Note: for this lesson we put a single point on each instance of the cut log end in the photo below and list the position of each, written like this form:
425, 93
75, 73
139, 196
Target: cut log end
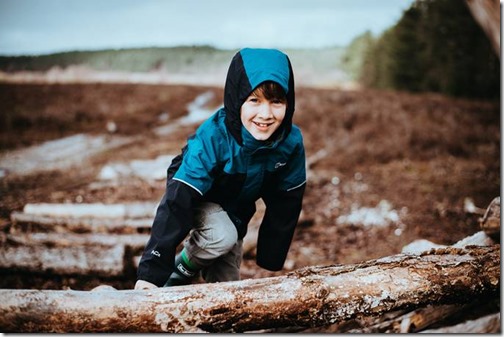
490, 223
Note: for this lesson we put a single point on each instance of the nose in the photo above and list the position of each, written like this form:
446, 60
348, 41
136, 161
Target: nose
265, 110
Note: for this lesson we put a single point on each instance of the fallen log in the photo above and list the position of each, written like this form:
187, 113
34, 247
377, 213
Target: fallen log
94, 210
487, 324
134, 241
98, 260
490, 223
409, 321
250, 240
81, 224
309, 297
421, 318
487, 15
82, 254
414, 321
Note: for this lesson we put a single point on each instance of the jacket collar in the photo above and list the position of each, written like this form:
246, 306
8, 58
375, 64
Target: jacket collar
250, 144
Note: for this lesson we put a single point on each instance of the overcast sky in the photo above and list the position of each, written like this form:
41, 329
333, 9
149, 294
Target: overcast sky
47, 26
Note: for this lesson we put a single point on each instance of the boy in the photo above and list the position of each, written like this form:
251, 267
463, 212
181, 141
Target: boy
247, 150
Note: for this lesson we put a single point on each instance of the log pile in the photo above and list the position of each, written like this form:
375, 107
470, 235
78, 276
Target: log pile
70, 253
77, 239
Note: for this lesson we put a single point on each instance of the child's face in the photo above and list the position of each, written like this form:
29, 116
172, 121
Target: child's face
262, 117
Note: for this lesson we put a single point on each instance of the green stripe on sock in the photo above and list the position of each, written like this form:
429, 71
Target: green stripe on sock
186, 261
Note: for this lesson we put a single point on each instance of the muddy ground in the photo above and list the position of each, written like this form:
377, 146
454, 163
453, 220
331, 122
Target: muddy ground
420, 155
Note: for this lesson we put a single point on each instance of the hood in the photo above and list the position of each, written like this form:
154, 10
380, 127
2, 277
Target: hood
248, 69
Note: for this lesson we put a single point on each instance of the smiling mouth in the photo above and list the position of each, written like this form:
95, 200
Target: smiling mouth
262, 125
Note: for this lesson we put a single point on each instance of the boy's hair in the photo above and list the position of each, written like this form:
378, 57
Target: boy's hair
271, 91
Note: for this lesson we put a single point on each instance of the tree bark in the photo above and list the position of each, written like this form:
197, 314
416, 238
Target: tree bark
487, 15
309, 297
104, 255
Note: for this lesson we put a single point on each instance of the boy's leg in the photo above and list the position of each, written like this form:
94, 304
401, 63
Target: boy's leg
226, 267
214, 235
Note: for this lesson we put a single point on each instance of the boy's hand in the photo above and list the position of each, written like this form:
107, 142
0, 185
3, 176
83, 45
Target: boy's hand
144, 285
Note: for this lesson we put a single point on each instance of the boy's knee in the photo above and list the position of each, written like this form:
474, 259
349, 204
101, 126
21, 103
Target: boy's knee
224, 238
218, 234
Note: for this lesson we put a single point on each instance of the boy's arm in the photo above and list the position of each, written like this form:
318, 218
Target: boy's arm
172, 223
283, 206
277, 227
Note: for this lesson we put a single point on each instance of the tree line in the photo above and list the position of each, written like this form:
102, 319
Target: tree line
436, 46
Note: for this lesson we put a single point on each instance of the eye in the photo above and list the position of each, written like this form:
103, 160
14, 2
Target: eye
253, 99
277, 102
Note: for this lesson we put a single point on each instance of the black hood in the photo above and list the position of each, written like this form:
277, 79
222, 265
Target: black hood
248, 69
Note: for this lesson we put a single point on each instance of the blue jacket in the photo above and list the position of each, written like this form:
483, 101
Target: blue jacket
224, 164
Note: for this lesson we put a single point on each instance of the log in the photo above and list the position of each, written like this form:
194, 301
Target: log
81, 224
99, 260
250, 240
421, 318
309, 297
134, 241
487, 15
487, 324
490, 223
94, 210
66, 254
412, 321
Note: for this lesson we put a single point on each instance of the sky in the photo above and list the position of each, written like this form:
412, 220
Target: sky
36, 27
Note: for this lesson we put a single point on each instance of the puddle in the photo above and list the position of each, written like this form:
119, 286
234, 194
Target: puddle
63, 153
197, 113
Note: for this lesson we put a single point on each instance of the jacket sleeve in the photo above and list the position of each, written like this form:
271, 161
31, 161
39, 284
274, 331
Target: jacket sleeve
188, 179
172, 223
283, 206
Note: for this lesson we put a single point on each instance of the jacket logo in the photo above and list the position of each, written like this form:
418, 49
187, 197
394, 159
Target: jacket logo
279, 164
156, 253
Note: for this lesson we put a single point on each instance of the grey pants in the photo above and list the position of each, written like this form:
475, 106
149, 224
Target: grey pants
213, 244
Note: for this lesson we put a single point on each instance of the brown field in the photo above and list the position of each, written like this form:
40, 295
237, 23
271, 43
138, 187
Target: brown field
424, 154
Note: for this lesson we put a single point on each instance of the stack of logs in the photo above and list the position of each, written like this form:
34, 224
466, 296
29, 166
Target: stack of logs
420, 290
83, 239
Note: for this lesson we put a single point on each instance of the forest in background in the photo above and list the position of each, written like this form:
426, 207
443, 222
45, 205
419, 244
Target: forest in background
436, 46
